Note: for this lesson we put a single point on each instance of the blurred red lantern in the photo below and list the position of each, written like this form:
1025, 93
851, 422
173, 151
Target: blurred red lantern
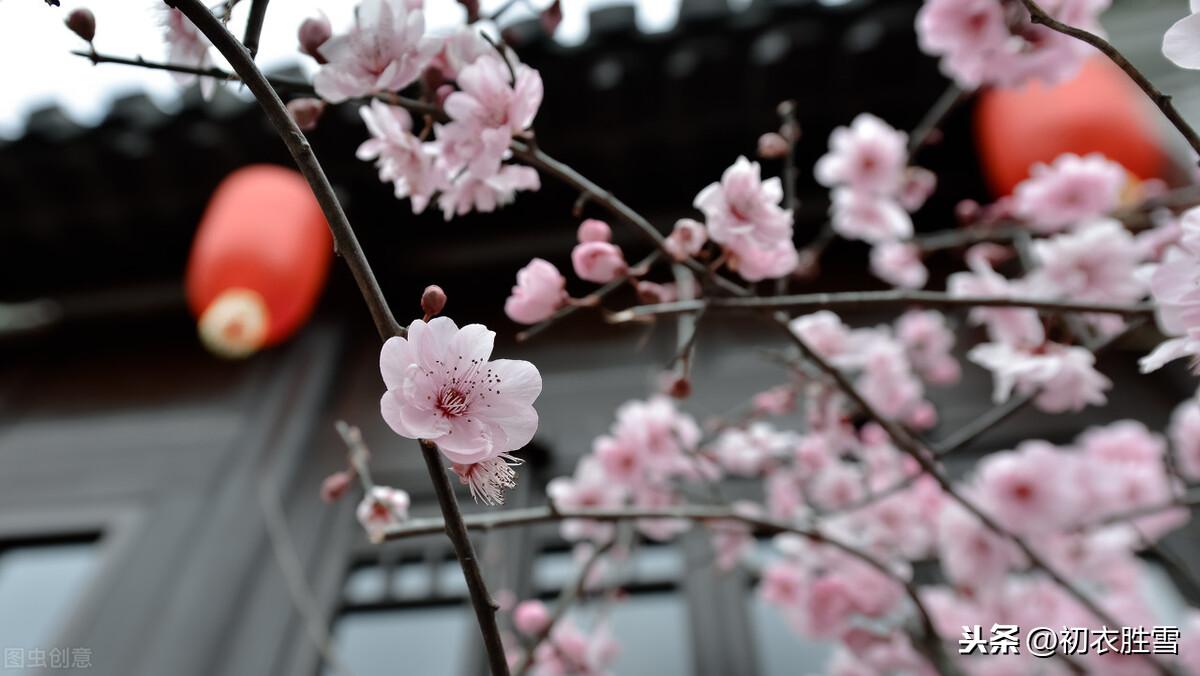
1099, 111
259, 260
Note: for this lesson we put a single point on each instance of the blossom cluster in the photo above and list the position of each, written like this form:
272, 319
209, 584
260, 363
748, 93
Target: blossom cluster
874, 191
994, 42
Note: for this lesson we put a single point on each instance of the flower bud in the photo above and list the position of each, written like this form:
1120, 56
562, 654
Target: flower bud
306, 112
968, 211
433, 299
314, 32
599, 262
82, 22
531, 617
772, 146
335, 486
593, 230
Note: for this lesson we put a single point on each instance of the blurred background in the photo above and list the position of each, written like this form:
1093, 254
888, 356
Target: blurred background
159, 506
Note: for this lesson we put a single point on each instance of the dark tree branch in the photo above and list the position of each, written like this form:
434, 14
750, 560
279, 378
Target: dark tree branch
1163, 101
865, 300
385, 323
254, 25
929, 125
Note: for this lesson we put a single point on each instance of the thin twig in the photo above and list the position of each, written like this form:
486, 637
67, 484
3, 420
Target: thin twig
254, 25
1163, 101
865, 300
929, 125
385, 322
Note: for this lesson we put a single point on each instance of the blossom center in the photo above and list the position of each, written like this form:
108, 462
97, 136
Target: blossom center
452, 403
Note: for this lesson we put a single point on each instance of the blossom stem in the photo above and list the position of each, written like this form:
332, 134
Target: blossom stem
927, 128
865, 300
254, 25
1163, 101
455, 528
385, 322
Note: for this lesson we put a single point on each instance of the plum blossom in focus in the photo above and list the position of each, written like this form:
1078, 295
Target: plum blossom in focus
402, 158
742, 213
385, 51
443, 387
187, 46
539, 293
1069, 190
488, 110
994, 42
382, 508
599, 262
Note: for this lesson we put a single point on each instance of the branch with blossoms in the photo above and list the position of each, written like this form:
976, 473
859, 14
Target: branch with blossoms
855, 498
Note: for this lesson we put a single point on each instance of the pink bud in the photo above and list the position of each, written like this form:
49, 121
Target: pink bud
539, 293
314, 32
968, 211
433, 300
599, 262
82, 22
678, 387
772, 146
531, 617
306, 112
335, 485
686, 240
593, 230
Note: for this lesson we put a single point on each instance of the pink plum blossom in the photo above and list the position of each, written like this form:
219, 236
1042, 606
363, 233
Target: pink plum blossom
1175, 287
869, 156
1181, 43
471, 193
589, 488
570, 651
593, 230
531, 617
929, 342
385, 51
872, 218
443, 387
686, 239
917, 186
402, 158
459, 50
993, 42
755, 264
779, 400
1184, 431
972, 554
488, 110
1011, 326
1062, 378
899, 264
382, 508
1069, 190
599, 262
1024, 490
187, 46
746, 452
1096, 262
539, 293
742, 210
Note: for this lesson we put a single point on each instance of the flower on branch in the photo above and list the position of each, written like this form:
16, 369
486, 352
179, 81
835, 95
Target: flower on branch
186, 46
1069, 190
443, 387
742, 213
385, 51
381, 508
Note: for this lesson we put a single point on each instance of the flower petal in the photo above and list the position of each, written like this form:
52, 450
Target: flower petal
1181, 44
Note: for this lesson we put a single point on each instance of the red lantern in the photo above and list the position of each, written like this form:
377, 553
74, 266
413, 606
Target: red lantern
1099, 111
259, 260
